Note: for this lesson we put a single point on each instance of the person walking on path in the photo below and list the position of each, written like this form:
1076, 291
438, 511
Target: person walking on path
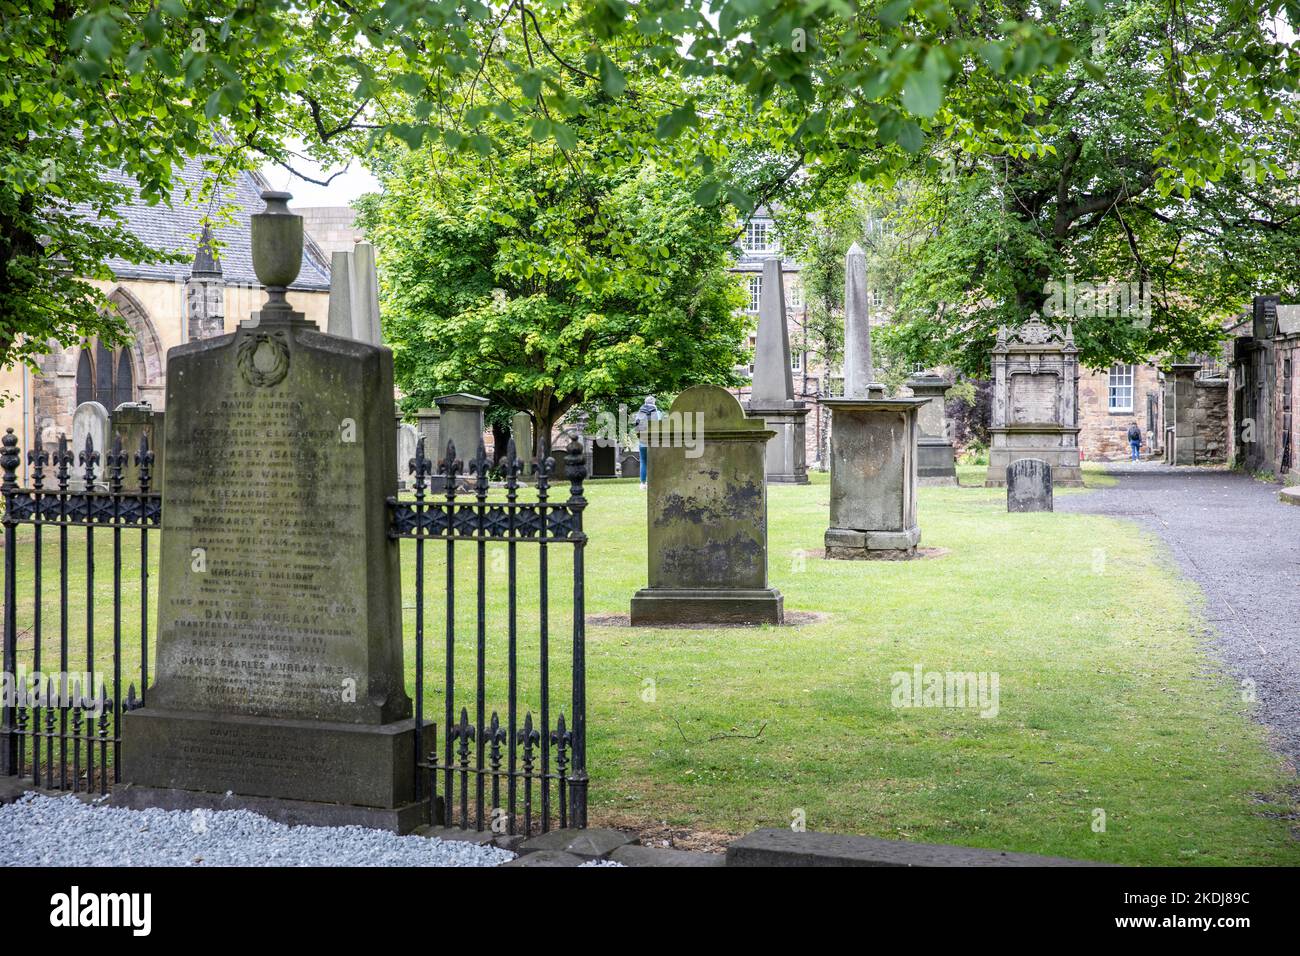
647, 413
1134, 441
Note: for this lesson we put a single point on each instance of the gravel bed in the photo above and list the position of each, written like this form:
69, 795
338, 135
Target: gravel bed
39, 830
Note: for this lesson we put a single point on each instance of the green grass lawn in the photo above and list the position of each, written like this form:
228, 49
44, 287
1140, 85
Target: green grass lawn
1107, 698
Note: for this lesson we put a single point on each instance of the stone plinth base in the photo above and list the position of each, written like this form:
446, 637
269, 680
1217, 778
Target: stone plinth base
657, 606
1055, 444
851, 545
936, 464
359, 765
294, 813
785, 459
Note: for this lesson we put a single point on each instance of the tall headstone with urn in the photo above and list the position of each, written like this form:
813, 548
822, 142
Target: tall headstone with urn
279, 683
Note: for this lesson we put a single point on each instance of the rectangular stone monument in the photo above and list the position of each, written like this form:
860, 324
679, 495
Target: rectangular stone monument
460, 422
1035, 401
772, 395
936, 461
707, 517
279, 673
873, 445
132, 420
604, 458
407, 437
521, 430
1029, 485
629, 463
427, 422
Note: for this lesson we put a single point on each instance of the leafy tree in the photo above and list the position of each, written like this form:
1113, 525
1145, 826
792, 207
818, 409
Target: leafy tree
830, 86
548, 278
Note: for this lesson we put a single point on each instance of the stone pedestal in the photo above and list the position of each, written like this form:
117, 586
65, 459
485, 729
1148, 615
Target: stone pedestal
873, 477
1035, 402
279, 671
707, 505
936, 463
785, 460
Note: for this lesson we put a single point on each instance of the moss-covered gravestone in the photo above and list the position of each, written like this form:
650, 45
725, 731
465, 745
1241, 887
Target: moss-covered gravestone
279, 658
707, 503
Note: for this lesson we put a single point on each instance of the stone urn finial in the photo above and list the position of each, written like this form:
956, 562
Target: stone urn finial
277, 249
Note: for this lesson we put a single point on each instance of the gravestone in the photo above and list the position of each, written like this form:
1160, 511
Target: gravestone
772, 396
279, 673
1035, 401
707, 505
407, 437
873, 445
354, 295
629, 463
1029, 485
521, 430
461, 422
90, 420
604, 458
427, 424
936, 462
132, 420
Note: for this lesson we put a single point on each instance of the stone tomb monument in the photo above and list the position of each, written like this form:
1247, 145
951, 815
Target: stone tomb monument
873, 445
936, 462
772, 396
521, 430
279, 654
460, 422
132, 420
1029, 485
1035, 402
427, 423
90, 420
407, 437
707, 504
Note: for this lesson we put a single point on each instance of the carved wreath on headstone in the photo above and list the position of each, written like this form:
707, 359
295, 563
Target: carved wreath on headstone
263, 358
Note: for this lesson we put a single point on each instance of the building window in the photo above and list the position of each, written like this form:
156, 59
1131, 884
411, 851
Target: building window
877, 298
1121, 388
794, 292
756, 236
755, 292
105, 375
796, 361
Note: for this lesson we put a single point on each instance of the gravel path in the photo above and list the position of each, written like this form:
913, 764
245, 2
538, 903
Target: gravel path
38, 830
1230, 535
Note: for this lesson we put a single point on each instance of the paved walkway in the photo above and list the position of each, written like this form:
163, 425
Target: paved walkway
1231, 535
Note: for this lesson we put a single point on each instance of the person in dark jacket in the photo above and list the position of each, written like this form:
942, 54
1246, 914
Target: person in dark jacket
647, 413
1134, 441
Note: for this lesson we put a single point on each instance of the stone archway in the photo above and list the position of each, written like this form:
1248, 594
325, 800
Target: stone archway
54, 391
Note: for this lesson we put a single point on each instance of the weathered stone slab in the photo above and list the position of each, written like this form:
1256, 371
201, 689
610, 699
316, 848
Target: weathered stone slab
781, 847
1289, 496
132, 421
546, 858
407, 437
90, 420
1029, 485
707, 506
592, 844
936, 462
633, 855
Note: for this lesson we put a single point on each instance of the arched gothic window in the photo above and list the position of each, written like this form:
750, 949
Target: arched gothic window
105, 375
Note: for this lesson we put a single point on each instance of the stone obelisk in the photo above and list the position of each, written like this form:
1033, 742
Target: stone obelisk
873, 445
772, 396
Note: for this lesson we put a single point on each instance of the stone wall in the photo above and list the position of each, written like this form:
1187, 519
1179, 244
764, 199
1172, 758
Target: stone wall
1103, 434
1210, 419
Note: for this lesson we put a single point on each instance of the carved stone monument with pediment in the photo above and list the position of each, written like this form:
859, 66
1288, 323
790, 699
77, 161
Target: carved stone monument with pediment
1035, 402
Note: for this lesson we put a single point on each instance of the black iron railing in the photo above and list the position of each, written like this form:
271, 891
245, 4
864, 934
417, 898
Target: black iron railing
62, 728
541, 758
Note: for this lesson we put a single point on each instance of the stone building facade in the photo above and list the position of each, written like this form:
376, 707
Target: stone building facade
164, 305
1263, 388
1110, 400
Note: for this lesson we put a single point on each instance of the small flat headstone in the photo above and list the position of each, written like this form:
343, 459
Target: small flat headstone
1029, 485
588, 844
